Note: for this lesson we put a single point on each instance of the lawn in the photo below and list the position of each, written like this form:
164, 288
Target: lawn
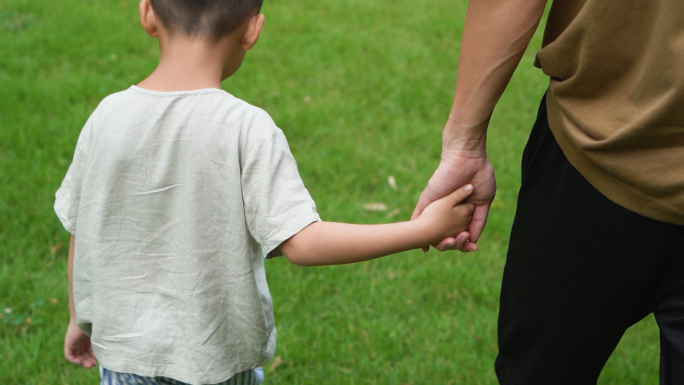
362, 90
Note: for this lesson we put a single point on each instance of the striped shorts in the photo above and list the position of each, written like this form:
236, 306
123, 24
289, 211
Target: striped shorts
248, 377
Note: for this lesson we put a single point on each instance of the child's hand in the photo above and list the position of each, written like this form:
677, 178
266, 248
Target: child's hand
448, 216
77, 347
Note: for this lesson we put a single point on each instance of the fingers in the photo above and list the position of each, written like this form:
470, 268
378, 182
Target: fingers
469, 247
83, 358
89, 362
478, 222
77, 347
74, 358
461, 242
465, 210
466, 247
446, 244
460, 194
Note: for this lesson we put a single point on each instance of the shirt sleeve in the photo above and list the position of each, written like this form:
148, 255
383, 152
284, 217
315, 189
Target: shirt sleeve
277, 205
68, 196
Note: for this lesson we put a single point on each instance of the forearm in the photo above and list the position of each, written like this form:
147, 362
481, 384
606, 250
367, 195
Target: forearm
495, 37
332, 243
70, 274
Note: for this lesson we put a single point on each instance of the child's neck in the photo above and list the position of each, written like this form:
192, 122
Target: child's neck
188, 64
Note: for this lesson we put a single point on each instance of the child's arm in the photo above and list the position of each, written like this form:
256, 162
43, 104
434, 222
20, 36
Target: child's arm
77, 347
331, 243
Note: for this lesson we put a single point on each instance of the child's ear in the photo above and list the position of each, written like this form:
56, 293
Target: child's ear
148, 18
251, 35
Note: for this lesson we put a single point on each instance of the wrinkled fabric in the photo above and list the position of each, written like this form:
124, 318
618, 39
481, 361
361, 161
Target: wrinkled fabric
616, 98
248, 377
174, 199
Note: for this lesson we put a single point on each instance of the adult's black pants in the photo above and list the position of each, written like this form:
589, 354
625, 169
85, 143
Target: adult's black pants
580, 271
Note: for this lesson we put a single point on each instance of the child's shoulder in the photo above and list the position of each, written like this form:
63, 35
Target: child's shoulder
253, 119
215, 110
202, 100
254, 113
122, 100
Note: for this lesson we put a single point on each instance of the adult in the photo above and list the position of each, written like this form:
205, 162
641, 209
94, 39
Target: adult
598, 237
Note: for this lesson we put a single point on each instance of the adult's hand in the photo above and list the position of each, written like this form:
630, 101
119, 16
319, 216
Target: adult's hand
495, 36
456, 169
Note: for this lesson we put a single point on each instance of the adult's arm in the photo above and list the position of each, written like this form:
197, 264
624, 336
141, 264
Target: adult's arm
495, 37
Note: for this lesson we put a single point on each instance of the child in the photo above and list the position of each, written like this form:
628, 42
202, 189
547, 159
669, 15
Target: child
177, 192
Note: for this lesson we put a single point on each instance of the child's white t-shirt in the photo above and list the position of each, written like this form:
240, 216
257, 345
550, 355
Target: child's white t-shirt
175, 198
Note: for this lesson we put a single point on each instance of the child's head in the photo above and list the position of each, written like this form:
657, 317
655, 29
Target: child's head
223, 30
208, 19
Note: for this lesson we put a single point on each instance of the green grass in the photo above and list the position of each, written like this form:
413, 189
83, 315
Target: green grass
362, 90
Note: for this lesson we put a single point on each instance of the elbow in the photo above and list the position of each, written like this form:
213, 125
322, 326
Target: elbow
296, 253
299, 260
301, 248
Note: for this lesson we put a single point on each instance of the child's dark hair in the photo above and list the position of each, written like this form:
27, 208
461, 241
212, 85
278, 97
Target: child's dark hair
211, 19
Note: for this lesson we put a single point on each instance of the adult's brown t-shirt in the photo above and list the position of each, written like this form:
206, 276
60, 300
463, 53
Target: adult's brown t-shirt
616, 98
